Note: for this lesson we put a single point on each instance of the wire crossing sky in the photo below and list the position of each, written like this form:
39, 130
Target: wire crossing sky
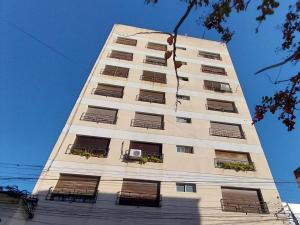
48, 48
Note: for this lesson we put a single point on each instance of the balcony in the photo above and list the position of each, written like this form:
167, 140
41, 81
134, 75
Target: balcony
87, 151
217, 88
151, 99
147, 124
115, 71
237, 165
145, 157
98, 118
234, 205
138, 199
155, 61
121, 55
71, 195
226, 133
154, 77
108, 92
221, 106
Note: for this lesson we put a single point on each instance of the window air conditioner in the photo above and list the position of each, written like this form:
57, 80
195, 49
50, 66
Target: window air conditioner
135, 153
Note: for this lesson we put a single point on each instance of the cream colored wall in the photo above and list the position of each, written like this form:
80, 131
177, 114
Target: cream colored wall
176, 166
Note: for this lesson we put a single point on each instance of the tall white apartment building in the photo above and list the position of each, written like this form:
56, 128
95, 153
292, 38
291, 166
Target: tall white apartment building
126, 156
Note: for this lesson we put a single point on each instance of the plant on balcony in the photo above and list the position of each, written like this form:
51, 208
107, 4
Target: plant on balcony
237, 166
152, 158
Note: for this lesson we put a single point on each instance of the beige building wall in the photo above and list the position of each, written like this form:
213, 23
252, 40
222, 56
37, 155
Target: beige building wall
201, 207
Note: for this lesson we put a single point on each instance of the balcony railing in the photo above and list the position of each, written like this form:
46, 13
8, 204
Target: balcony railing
234, 164
98, 118
155, 62
138, 199
87, 151
217, 88
151, 99
107, 92
226, 133
154, 79
229, 205
71, 195
147, 124
221, 108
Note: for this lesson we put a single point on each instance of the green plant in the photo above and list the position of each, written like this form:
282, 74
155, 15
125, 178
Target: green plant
237, 166
81, 153
152, 158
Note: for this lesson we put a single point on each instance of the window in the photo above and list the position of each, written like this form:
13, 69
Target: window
156, 46
185, 149
181, 48
220, 105
115, 71
217, 86
226, 130
126, 41
155, 61
209, 55
109, 90
140, 193
183, 78
233, 160
149, 121
88, 146
183, 97
150, 152
183, 120
213, 70
154, 77
182, 187
75, 188
100, 115
121, 55
152, 96
243, 200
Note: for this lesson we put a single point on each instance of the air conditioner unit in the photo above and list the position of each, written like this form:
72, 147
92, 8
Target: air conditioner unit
135, 153
224, 87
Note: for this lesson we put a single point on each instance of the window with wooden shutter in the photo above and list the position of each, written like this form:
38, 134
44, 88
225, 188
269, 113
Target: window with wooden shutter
243, 200
154, 77
109, 90
226, 130
121, 55
148, 149
209, 55
115, 71
126, 41
140, 193
156, 46
88, 146
213, 70
220, 105
155, 61
217, 86
149, 121
100, 115
233, 160
151, 96
79, 188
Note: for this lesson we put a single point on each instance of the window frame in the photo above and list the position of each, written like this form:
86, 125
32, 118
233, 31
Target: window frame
185, 147
187, 119
185, 186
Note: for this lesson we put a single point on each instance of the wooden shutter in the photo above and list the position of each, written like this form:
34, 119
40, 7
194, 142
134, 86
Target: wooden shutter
156, 61
98, 114
148, 189
91, 142
146, 120
154, 96
147, 148
76, 184
126, 41
240, 195
156, 46
232, 155
109, 90
149, 117
121, 55
213, 70
210, 55
154, 77
220, 105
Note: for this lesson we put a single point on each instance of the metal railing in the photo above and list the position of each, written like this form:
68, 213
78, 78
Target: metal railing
107, 92
154, 79
226, 133
87, 151
98, 118
147, 124
71, 195
217, 88
219, 163
229, 205
115, 73
138, 199
151, 99
155, 62
221, 108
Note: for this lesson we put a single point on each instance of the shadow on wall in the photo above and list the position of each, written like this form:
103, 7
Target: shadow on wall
105, 210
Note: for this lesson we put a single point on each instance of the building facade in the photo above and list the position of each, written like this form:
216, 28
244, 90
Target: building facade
126, 156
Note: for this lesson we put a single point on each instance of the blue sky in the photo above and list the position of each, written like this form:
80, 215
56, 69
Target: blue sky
40, 81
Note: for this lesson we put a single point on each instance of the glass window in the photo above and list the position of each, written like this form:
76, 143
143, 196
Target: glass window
181, 187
